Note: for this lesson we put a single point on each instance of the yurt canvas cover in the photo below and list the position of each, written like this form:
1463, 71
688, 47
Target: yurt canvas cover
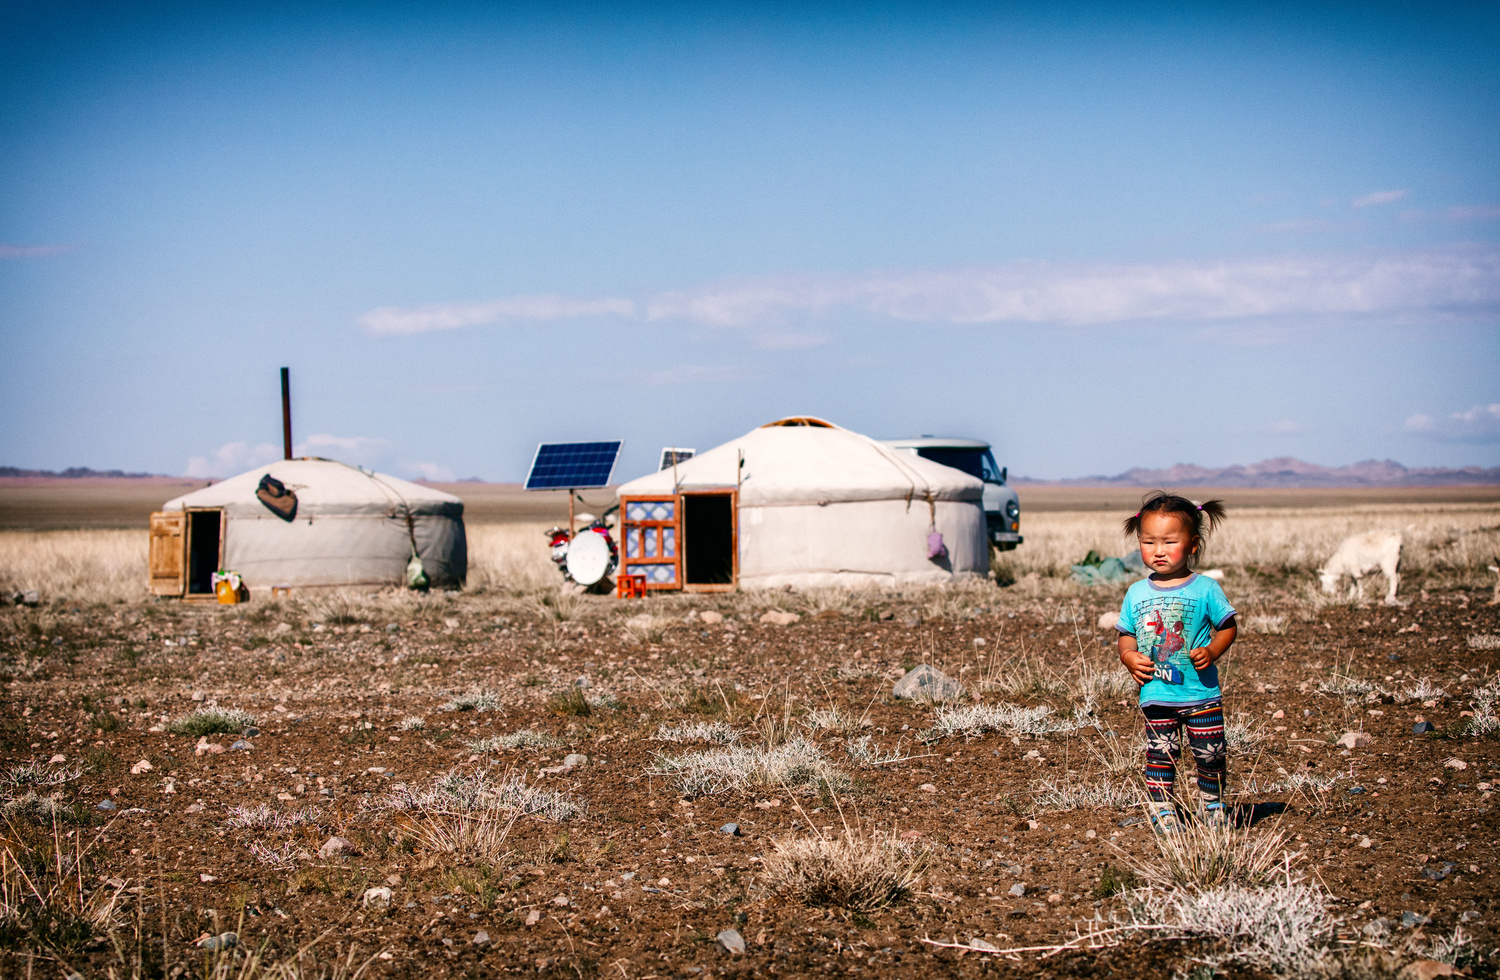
802, 502
349, 527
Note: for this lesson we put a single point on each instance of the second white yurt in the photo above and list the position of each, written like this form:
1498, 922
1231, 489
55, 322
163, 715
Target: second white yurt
307, 523
802, 502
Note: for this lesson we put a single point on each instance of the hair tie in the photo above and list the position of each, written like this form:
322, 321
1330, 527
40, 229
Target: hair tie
1200, 506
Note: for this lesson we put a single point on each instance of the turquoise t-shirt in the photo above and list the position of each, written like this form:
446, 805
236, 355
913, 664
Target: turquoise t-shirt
1166, 624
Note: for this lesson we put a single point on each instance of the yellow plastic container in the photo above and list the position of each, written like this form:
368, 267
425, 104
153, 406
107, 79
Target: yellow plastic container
227, 593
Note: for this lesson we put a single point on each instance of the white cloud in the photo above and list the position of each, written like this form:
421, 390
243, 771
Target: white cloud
332, 446
392, 320
431, 472
1479, 424
1377, 198
1453, 280
1099, 293
231, 458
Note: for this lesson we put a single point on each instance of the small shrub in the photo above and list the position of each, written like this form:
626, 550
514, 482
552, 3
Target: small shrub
473, 701
523, 739
795, 763
864, 752
857, 871
1422, 690
974, 720
262, 816
1054, 794
1116, 880
412, 723
1205, 854
1486, 703
717, 732
570, 703
211, 721
1284, 926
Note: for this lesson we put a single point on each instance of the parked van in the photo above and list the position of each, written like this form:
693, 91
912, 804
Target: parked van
1002, 508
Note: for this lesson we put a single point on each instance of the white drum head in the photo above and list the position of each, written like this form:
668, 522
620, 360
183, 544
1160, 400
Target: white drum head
588, 557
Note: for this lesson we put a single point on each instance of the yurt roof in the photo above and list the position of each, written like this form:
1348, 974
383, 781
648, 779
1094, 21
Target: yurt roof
802, 459
323, 487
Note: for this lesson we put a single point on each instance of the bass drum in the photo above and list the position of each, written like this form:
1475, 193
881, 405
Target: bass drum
589, 558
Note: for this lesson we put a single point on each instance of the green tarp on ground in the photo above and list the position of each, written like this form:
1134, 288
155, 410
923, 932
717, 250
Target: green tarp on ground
1095, 570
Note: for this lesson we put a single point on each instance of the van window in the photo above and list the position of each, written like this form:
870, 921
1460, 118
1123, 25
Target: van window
978, 463
967, 460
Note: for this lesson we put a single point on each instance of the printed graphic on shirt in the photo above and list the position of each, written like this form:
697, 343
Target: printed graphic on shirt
1162, 632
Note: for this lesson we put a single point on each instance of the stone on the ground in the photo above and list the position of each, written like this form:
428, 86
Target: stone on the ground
732, 829
574, 759
711, 618
911, 622
481, 938
1411, 920
140, 767
281, 629
927, 788
584, 683
925, 682
224, 940
778, 617
240, 745
332, 847
379, 896
732, 941
1017, 890
1107, 620
389, 628
1354, 740
106, 805
251, 732
1423, 727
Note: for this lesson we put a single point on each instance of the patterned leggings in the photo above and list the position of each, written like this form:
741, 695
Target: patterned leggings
1205, 731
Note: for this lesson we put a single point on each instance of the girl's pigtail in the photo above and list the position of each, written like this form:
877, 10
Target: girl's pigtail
1133, 524
1214, 511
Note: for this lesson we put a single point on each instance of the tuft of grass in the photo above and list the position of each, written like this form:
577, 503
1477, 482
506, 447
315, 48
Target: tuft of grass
262, 816
526, 738
476, 792
646, 628
1115, 880
1422, 690
1284, 926
716, 732
571, 702
859, 870
863, 751
1486, 703
50, 896
1055, 794
1205, 854
473, 701
39, 775
211, 721
795, 763
412, 723
832, 719
974, 720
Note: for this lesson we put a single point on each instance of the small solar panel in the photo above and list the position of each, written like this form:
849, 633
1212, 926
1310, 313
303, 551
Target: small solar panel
672, 455
572, 465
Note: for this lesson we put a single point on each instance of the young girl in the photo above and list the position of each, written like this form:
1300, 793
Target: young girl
1173, 626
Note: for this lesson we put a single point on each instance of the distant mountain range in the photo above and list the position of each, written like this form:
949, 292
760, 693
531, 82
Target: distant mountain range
1285, 471
78, 472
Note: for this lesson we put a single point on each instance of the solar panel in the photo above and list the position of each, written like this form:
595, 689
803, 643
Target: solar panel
572, 465
672, 455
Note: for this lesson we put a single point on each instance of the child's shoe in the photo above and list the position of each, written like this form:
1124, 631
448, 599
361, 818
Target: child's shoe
1216, 815
1164, 821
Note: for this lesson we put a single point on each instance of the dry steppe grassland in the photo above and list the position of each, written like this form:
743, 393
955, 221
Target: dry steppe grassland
521, 779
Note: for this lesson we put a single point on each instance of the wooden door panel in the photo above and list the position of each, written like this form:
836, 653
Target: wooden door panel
168, 562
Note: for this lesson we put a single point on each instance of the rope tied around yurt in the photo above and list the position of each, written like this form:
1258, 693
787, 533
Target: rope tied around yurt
416, 574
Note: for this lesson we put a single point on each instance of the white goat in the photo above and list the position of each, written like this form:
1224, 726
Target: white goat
1361, 554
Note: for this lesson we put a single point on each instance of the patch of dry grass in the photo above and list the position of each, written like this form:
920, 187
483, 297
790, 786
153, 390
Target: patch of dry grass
860, 870
95, 566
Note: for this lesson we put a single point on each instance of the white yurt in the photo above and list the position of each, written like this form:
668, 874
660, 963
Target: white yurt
802, 502
307, 523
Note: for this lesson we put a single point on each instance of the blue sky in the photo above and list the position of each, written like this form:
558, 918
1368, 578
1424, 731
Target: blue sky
1099, 239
